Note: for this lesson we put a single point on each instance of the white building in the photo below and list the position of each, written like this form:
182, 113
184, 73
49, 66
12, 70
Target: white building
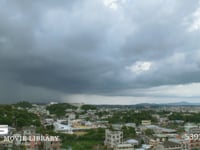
113, 138
132, 142
48, 121
53, 103
133, 125
146, 122
146, 146
72, 116
117, 126
124, 147
188, 126
59, 127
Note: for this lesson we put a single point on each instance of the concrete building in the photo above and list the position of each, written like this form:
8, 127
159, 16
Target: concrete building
28, 131
113, 138
71, 116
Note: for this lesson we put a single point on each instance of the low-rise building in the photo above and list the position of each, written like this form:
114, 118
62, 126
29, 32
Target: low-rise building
147, 146
132, 142
117, 126
59, 127
146, 122
188, 126
28, 131
133, 125
167, 145
123, 147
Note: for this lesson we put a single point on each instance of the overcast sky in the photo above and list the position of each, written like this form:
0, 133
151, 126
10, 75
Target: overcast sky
100, 51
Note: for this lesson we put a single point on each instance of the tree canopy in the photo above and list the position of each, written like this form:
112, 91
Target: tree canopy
59, 109
23, 104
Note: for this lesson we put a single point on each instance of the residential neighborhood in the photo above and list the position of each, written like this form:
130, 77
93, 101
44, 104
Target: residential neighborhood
104, 127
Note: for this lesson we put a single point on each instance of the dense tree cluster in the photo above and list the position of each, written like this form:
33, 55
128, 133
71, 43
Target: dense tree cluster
60, 109
128, 132
23, 104
11, 116
149, 132
131, 116
93, 140
192, 117
88, 107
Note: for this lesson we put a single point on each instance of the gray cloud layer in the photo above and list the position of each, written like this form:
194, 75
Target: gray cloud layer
49, 48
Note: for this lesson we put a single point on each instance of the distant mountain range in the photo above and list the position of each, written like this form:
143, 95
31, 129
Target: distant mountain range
182, 103
143, 105
151, 105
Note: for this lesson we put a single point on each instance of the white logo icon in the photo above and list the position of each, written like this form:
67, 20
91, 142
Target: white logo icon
3, 129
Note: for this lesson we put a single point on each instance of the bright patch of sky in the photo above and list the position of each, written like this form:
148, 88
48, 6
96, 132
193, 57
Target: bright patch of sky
195, 25
181, 91
111, 4
139, 67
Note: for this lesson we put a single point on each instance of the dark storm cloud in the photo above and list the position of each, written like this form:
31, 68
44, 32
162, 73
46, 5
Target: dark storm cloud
85, 47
